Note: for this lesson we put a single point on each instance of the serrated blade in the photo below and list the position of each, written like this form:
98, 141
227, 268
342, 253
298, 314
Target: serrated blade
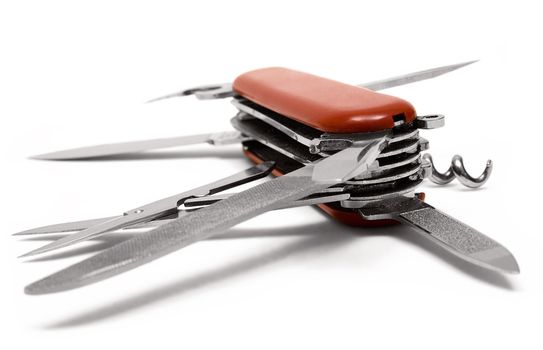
213, 219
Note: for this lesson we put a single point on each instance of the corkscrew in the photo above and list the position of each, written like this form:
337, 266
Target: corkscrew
456, 170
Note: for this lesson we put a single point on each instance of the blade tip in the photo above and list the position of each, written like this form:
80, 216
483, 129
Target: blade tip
42, 287
511, 266
28, 290
164, 97
504, 262
39, 157
36, 252
22, 233
467, 63
48, 156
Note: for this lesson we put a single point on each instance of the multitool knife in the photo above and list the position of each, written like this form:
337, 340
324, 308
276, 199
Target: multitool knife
353, 152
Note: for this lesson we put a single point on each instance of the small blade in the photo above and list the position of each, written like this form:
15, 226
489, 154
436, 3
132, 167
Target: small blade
158, 208
168, 96
454, 236
190, 204
413, 77
64, 227
204, 92
209, 221
112, 149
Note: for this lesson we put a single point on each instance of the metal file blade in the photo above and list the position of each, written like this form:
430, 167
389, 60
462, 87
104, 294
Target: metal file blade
446, 231
214, 219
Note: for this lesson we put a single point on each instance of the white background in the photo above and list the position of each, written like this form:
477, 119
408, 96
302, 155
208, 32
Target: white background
74, 74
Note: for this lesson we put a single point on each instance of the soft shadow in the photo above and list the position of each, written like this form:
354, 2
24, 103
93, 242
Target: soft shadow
402, 232
162, 155
313, 237
328, 234
455, 186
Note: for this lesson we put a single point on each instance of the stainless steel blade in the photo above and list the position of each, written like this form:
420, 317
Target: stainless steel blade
413, 77
64, 227
112, 149
449, 233
212, 220
214, 91
81, 225
190, 204
204, 92
218, 91
158, 208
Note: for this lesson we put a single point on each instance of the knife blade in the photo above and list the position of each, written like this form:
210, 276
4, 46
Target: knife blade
413, 77
112, 149
215, 218
219, 91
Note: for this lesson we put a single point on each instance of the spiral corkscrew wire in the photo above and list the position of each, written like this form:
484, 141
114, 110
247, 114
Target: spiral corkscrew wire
458, 171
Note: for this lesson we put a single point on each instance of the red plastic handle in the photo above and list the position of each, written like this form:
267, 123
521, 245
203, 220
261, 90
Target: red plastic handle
323, 104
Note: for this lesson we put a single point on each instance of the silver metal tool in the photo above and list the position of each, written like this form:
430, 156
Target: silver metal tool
158, 208
449, 233
332, 194
457, 171
215, 218
371, 175
213, 92
106, 150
